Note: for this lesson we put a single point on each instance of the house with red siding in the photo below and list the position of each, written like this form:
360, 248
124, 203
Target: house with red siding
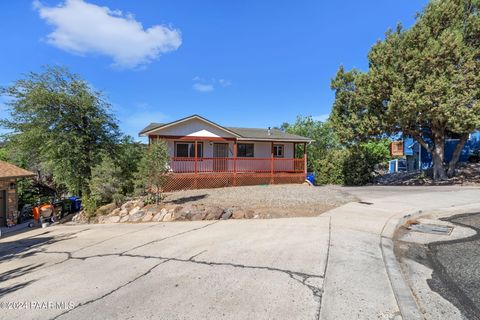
204, 154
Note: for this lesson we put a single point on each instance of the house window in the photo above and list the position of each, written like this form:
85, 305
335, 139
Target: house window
278, 150
245, 150
187, 149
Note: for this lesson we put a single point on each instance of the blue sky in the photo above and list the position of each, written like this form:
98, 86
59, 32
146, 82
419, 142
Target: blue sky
239, 63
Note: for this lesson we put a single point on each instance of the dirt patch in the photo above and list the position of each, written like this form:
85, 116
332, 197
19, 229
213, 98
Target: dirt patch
270, 201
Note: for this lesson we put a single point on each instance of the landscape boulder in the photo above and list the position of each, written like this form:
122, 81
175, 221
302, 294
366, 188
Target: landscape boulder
168, 217
106, 209
213, 213
159, 216
238, 214
148, 217
128, 205
115, 212
134, 210
136, 217
227, 214
113, 219
123, 212
198, 216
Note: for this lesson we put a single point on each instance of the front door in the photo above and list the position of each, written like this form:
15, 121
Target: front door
220, 153
3, 208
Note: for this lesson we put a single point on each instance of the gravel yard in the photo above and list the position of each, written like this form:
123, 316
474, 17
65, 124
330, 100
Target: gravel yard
270, 201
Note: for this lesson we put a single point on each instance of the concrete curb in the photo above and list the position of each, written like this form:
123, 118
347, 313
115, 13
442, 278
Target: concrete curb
403, 294
406, 303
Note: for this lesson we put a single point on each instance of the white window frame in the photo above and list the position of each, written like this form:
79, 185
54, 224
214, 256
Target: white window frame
276, 149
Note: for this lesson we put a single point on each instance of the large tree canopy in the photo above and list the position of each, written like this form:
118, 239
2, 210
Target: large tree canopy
423, 82
57, 120
321, 132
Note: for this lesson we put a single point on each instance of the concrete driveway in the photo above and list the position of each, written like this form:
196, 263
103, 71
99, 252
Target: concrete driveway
249, 269
335, 266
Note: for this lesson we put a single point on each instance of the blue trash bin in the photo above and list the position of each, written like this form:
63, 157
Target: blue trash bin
311, 177
76, 203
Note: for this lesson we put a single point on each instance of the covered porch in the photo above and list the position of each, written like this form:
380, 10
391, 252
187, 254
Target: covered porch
204, 154
201, 155
225, 167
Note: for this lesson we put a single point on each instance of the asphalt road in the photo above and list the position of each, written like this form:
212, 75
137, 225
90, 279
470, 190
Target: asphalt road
456, 268
244, 269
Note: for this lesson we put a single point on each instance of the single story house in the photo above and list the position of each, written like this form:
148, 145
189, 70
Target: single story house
8, 192
204, 154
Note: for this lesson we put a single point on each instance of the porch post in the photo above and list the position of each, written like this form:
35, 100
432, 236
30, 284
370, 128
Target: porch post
272, 165
196, 176
196, 148
305, 158
295, 157
235, 163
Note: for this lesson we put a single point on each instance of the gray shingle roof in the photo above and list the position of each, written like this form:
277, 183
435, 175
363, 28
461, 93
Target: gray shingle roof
244, 133
151, 126
262, 134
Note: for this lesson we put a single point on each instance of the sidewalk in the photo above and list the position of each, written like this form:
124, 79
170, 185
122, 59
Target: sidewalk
363, 279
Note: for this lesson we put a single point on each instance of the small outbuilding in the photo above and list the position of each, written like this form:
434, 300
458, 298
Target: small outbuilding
8, 192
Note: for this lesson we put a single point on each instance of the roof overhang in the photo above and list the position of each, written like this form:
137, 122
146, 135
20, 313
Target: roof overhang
167, 125
276, 140
18, 176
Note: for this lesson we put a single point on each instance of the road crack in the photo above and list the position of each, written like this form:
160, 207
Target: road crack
111, 291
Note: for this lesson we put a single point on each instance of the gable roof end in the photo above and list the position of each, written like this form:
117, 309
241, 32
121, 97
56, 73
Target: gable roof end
155, 126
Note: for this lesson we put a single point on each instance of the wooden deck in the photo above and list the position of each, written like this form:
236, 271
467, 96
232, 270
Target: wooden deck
202, 173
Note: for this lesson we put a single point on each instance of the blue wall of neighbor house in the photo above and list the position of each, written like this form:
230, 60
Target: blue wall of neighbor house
422, 159
471, 145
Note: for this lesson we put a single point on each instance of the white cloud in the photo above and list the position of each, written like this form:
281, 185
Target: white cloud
83, 28
225, 83
322, 117
203, 87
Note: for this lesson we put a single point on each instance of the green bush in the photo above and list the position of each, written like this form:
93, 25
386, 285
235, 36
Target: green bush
351, 166
89, 206
153, 169
358, 167
329, 170
105, 182
118, 199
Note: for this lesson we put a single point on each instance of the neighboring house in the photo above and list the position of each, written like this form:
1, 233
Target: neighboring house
207, 155
8, 192
412, 156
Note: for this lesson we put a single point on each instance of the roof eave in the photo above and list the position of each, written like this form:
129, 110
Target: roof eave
146, 133
18, 176
276, 139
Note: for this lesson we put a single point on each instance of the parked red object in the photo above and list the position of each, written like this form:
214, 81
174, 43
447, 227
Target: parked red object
43, 212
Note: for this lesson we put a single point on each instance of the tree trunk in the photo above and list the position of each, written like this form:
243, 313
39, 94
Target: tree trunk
456, 155
438, 154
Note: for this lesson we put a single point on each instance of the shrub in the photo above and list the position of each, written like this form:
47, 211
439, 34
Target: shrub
358, 167
351, 166
89, 206
105, 182
153, 169
329, 170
